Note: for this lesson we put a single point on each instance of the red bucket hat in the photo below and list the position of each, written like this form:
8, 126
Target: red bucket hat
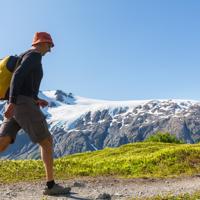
40, 37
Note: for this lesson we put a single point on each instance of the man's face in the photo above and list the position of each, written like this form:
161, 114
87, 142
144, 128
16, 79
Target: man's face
45, 47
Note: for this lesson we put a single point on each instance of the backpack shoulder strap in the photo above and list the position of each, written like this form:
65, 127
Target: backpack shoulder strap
19, 59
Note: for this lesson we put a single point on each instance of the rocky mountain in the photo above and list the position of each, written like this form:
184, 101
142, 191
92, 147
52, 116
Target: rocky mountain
79, 124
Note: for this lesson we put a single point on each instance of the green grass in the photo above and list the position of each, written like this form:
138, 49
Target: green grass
163, 137
144, 159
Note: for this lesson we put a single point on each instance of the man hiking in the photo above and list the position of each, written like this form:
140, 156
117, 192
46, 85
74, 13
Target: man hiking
22, 110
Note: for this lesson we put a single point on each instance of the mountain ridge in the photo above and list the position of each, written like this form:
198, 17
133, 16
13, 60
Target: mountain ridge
79, 124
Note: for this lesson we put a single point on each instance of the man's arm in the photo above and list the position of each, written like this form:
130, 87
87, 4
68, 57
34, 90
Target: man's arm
42, 102
17, 81
9, 111
19, 75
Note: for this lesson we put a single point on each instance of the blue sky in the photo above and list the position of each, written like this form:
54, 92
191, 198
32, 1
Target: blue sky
111, 49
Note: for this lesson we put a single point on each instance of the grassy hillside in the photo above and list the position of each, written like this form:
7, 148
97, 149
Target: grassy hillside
144, 159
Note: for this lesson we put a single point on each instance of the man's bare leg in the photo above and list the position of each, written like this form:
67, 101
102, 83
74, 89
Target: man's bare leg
4, 142
47, 157
46, 146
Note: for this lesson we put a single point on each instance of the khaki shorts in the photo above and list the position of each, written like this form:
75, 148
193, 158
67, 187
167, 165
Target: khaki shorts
27, 116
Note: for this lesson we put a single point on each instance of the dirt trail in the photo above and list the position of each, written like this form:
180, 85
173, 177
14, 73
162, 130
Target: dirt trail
91, 188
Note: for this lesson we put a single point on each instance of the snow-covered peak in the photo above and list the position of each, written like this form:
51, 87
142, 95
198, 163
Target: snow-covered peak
65, 107
57, 97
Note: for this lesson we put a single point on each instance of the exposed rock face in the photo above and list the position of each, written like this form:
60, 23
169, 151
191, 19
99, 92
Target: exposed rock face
64, 97
112, 127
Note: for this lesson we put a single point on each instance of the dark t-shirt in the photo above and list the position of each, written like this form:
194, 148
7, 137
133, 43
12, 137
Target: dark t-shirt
27, 78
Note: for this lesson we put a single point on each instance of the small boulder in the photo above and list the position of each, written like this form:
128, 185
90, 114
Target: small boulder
104, 196
78, 184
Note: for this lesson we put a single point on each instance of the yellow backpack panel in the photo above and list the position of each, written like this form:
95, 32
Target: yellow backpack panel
5, 76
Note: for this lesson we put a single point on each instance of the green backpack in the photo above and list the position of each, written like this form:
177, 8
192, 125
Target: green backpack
7, 67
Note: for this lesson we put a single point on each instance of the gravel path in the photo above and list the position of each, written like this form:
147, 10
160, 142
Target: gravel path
91, 188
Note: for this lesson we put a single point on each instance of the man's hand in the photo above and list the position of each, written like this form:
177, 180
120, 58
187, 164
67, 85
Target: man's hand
9, 112
43, 103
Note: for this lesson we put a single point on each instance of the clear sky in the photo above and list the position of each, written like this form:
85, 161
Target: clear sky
111, 49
